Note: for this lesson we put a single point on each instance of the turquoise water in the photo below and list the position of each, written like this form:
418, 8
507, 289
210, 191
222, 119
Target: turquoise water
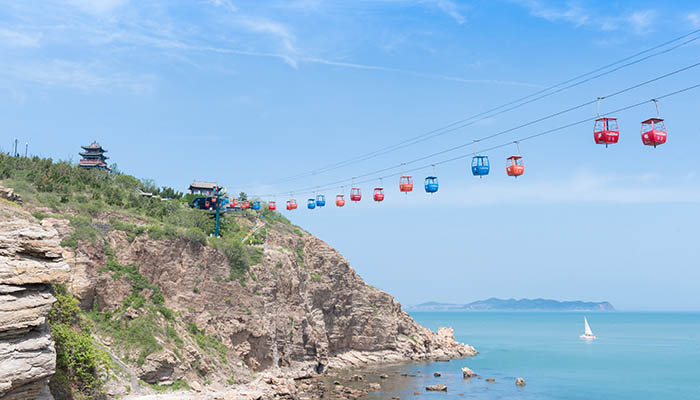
636, 356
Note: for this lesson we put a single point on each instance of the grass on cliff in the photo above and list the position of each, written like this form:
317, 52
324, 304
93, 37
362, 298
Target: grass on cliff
80, 364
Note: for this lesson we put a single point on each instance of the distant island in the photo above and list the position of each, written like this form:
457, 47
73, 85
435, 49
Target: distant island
494, 304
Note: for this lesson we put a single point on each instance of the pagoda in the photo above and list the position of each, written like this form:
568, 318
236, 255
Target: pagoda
94, 157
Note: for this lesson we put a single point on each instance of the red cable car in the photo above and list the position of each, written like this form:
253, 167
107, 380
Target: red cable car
292, 204
272, 205
378, 194
355, 194
653, 132
234, 203
245, 204
340, 200
514, 166
606, 131
406, 184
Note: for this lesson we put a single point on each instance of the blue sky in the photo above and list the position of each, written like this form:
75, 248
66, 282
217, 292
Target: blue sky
248, 92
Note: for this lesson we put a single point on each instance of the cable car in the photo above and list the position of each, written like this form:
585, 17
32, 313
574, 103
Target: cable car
653, 132
355, 194
606, 131
292, 204
340, 200
431, 184
480, 166
406, 184
320, 200
272, 205
514, 166
378, 194
311, 204
245, 204
256, 205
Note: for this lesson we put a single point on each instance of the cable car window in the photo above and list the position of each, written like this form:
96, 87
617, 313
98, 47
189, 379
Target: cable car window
659, 126
646, 127
598, 126
612, 125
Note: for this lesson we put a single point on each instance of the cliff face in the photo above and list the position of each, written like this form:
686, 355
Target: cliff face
30, 259
300, 311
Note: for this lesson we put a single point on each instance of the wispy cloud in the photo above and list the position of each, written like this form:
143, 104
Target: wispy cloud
450, 8
18, 39
100, 7
636, 21
694, 19
75, 75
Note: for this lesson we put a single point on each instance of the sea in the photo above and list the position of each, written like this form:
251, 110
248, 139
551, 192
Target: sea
637, 355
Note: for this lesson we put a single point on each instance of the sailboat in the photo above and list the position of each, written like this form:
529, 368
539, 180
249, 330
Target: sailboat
588, 333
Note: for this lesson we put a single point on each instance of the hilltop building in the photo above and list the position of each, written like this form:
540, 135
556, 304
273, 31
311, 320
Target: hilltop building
94, 157
203, 188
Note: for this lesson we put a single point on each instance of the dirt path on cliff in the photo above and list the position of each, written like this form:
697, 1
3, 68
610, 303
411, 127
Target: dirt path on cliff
133, 380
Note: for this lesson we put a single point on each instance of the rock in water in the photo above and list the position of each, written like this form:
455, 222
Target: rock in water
468, 373
375, 386
436, 374
436, 388
520, 382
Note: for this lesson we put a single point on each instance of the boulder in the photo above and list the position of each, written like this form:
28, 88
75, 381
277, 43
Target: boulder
520, 382
436, 374
375, 387
436, 388
468, 373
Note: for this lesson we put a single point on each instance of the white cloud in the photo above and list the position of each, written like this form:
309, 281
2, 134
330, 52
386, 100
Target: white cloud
75, 75
99, 7
450, 8
18, 39
639, 22
694, 19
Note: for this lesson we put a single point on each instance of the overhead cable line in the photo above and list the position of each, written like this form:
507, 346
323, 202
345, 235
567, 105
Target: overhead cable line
510, 106
510, 143
500, 133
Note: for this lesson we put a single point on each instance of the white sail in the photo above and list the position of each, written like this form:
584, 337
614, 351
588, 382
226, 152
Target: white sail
588, 330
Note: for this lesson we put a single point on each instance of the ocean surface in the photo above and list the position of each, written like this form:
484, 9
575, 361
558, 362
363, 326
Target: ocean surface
635, 356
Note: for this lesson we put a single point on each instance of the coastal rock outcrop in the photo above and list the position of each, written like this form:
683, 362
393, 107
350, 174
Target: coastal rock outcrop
468, 373
30, 260
520, 382
436, 388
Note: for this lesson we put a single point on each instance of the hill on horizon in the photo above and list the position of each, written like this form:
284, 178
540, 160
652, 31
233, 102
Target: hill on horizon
495, 304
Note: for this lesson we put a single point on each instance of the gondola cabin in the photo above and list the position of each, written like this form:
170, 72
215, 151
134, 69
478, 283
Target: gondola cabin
480, 166
431, 184
292, 204
406, 184
653, 132
256, 205
320, 200
355, 194
606, 131
245, 204
514, 166
234, 203
340, 200
311, 204
272, 205
378, 194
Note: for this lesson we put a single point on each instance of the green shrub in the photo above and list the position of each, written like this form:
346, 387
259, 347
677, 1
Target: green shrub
83, 230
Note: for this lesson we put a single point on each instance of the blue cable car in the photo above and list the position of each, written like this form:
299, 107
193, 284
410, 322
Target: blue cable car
256, 205
480, 166
320, 200
431, 184
311, 204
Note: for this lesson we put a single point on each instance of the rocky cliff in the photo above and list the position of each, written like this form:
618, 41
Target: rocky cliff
176, 313
30, 259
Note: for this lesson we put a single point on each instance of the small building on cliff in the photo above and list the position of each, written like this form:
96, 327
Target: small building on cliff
203, 188
94, 157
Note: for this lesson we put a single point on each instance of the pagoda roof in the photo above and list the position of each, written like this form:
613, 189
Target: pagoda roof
203, 185
94, 146
93, 154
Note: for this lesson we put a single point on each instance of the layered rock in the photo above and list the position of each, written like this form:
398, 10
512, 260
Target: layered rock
30, 260
300, 311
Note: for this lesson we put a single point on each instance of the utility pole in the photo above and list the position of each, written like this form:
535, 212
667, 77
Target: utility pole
26, 148
217, 203
14, 153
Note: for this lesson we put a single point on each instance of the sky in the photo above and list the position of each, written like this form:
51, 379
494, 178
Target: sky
251, 93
